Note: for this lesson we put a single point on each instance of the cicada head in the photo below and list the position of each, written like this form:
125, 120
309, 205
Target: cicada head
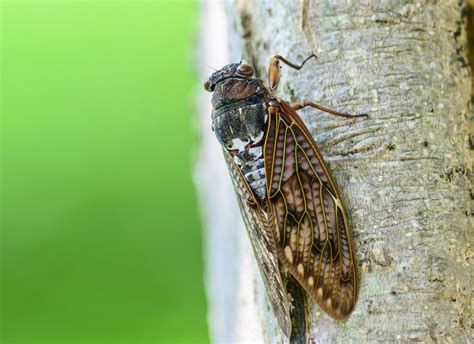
233, 70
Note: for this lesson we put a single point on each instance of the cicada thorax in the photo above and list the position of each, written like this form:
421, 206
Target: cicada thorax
239, 120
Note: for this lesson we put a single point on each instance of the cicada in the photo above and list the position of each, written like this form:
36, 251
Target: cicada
294, 214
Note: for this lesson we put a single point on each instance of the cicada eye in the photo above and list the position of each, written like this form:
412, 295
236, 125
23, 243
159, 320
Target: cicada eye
207, 85
245, 69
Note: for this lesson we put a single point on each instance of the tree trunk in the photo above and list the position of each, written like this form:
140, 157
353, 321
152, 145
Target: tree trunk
403, 172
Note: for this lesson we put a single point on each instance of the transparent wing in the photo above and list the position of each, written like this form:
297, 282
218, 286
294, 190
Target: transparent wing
263, 244
310, 222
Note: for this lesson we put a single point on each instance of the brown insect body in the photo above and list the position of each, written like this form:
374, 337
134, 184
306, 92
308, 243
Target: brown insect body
292, 209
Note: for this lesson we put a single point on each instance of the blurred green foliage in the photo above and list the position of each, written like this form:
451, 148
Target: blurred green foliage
101, 239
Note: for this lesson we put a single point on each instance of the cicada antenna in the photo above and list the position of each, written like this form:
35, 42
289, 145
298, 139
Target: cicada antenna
215, 70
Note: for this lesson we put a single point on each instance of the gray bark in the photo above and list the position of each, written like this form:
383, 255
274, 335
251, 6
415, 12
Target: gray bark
403, 173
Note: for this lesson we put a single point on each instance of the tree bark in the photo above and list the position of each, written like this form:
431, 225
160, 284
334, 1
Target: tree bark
403, 172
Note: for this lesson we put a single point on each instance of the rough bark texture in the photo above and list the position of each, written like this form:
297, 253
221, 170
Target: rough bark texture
403, 173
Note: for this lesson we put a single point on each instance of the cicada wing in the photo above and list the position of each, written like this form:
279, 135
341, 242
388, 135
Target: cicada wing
310, 221
263, 244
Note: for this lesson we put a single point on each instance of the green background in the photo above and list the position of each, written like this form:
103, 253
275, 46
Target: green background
100, 234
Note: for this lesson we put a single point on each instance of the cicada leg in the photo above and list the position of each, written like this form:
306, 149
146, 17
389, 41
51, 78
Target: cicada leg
304, 103
274, 69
